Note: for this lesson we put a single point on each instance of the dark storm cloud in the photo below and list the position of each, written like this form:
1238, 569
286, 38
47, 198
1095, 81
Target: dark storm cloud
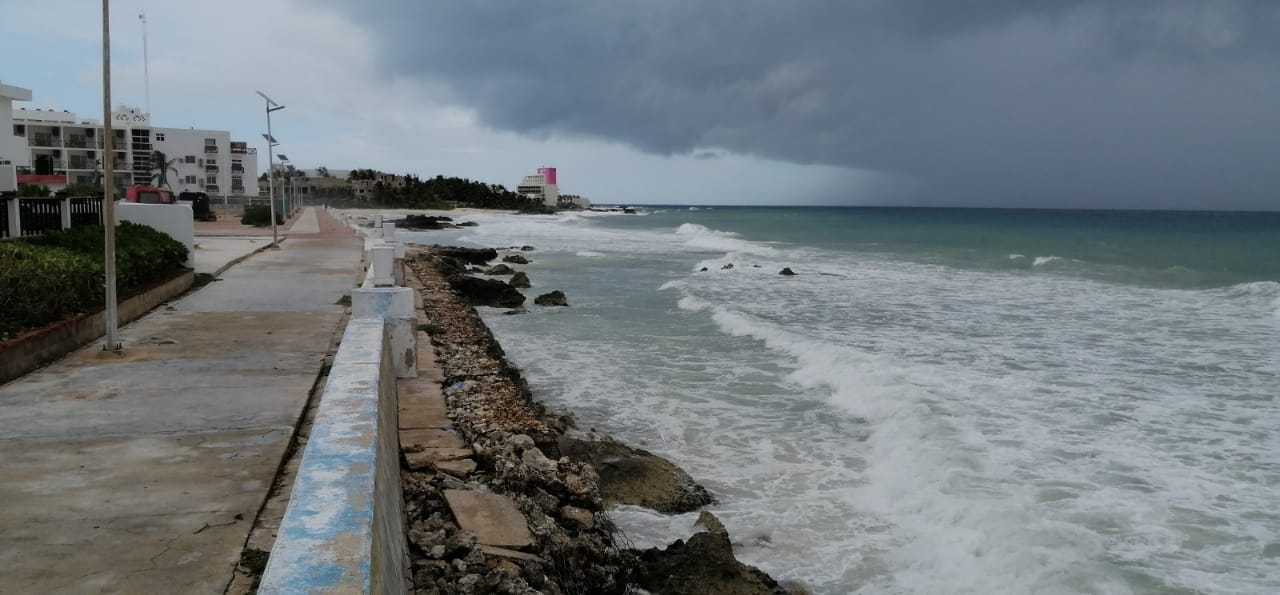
1037, 103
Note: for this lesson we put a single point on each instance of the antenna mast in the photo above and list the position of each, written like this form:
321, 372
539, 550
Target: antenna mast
146, 66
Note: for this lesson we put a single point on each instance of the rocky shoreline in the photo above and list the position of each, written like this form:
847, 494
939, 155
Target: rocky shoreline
560, 480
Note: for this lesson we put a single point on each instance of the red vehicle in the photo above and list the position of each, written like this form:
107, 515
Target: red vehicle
150, 195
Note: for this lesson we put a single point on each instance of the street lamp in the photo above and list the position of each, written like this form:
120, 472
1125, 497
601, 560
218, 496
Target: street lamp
272, 106
286, 183
111, 315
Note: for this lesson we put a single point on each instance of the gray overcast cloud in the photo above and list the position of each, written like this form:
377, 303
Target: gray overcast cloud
1092, 103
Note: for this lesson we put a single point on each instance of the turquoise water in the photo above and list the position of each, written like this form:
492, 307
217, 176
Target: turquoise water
941, 401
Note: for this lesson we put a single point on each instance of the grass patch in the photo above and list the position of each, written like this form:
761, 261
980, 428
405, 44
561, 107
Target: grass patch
202, 279
344, 301
430, 329
253, 562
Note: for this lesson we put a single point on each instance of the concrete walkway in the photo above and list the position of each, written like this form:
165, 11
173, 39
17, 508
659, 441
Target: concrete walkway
143, 473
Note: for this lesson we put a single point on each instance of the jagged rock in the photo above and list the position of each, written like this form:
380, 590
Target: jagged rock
424, 222
702, 566
516, 310
787, 271
726, 267
521, 442
467, 255
629, 211
633, 476
580, 516
702, 270
555, 298
487, 292
527, 248
520, 279
515, 259
468, 224
501, 269
538, 461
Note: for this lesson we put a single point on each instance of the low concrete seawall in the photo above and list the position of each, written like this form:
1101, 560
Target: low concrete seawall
343, 530
28, 352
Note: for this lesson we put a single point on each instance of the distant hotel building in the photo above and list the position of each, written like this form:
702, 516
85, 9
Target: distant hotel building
13, 150
61, 149
541, 187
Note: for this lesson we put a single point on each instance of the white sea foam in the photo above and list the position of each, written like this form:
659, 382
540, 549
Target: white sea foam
1043, 260
700, 237
591, 254
1016, 257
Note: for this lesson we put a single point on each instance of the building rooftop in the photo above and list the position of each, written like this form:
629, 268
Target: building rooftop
14, 93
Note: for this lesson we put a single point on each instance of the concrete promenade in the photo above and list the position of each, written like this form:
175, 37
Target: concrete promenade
143, 473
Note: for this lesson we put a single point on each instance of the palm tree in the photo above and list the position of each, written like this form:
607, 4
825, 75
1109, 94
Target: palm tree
160, 166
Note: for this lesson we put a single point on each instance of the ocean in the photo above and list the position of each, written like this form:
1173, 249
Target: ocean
940, 400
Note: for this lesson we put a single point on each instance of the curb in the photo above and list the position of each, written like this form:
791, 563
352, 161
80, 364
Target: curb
240, 259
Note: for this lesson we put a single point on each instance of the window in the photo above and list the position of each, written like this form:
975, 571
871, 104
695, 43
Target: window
211, 162
211, 179
160, 137
189, 159
189, 180
19, 130
210, 142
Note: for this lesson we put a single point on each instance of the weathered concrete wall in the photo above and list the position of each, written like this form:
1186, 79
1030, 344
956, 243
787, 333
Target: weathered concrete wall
343, 530
174, 220
28, 352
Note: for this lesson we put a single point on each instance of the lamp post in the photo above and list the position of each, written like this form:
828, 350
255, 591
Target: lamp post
287, 183
272, 106
111, 315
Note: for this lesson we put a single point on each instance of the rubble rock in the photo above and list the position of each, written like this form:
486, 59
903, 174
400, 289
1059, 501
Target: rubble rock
555, 298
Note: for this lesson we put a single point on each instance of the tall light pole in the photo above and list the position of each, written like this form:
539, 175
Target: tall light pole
287, 181
146, 66
272, 106
108, 188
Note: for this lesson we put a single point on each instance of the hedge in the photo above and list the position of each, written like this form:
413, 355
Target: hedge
49, 278
259, 216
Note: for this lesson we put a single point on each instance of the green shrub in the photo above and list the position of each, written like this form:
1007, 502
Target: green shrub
259, 216
40, 285
51, 277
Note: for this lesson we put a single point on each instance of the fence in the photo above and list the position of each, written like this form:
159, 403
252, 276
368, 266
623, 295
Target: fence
22, 216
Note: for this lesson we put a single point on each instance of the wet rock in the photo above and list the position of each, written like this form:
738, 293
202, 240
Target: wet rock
487, 292
468, 224
516, 310
527, 248
501, 269
520, 279
629, 211
726, 267
633, 476
702, 566
555, 298
787, 271
419, 222
467, 255
515, 259
702, 270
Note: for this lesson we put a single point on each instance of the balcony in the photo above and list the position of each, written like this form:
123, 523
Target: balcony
211, 188
82, 163
213, 169
80, 142
239, 148
211, 148
237, 189
237, 169
45, 140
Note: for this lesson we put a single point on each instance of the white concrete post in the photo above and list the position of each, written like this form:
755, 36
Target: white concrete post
15, 223
389, 231
377, 220
382, 268
66, 213
394, 305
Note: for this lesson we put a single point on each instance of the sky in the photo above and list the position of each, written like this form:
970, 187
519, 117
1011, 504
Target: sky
985, 103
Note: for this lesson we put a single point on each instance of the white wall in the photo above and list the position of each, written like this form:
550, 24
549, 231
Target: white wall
174, 220
12, 148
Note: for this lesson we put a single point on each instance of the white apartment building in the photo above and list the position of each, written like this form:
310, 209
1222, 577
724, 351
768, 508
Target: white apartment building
13, 149
64, 149
537, 187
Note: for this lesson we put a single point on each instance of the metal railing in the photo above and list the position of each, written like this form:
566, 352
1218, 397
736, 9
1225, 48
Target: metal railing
23, 216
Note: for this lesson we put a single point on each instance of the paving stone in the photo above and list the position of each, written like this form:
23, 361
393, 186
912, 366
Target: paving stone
460, 468
430, 438
420, 418
427, 458
492, 518
502, 552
